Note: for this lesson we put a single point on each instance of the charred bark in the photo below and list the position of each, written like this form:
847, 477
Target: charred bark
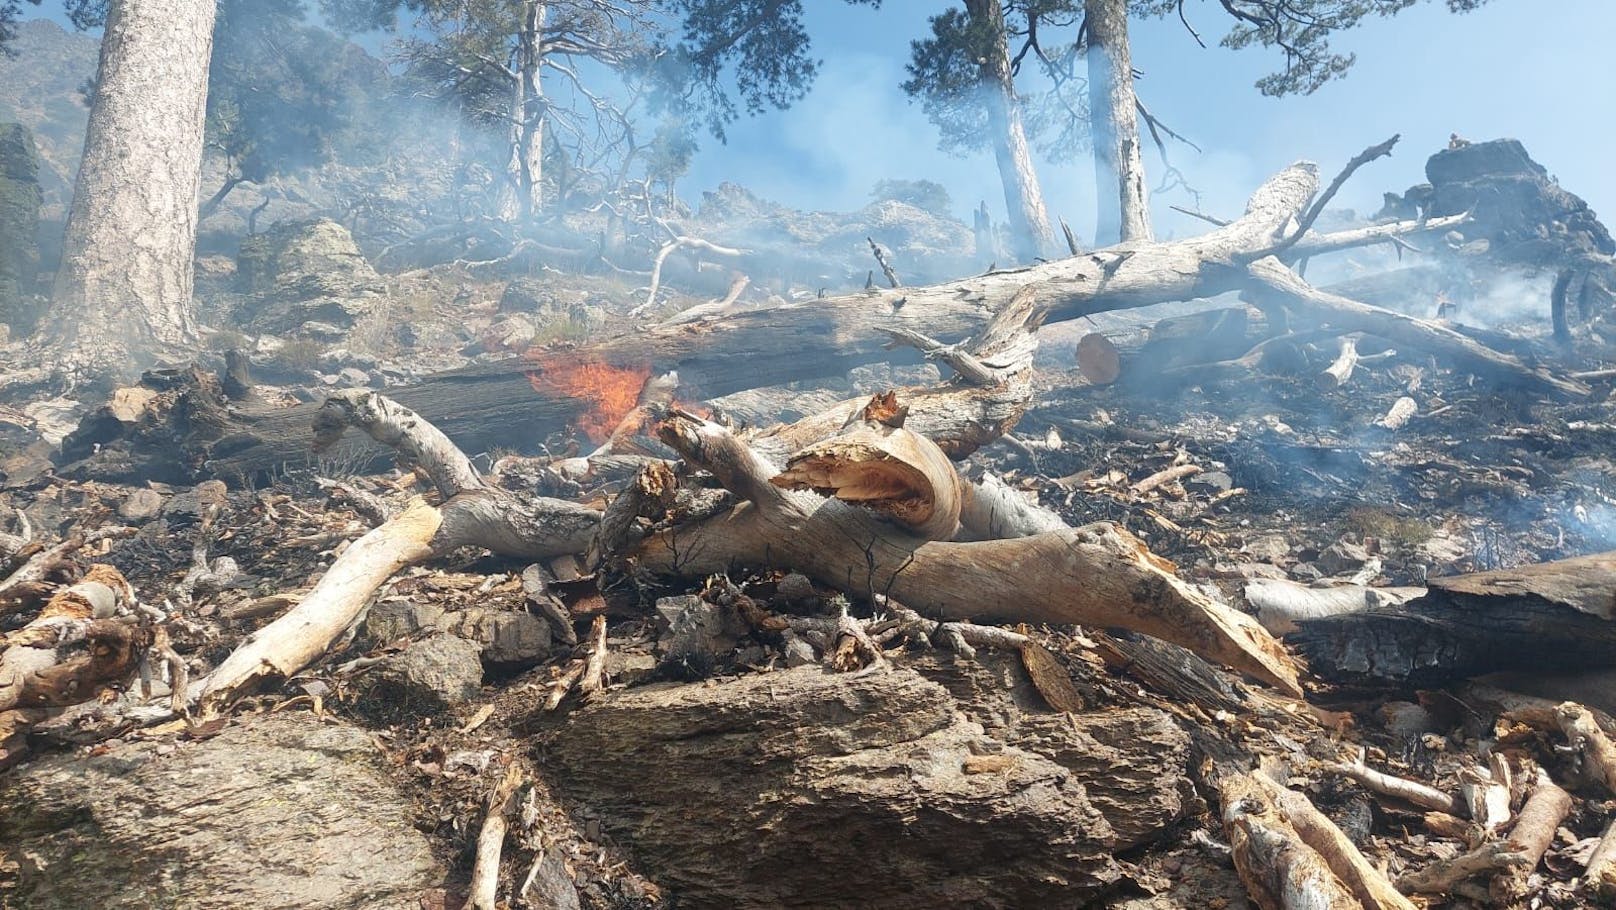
1556, 614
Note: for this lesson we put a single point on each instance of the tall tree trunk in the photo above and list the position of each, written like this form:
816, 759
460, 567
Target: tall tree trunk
1023, 197
1119, 171
123, 291
521, 194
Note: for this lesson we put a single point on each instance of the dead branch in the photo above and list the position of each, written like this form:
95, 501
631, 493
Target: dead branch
1339, 372
1409, 791
881, 260
1352, 316
1165, 476
1278, 868
1368, 884
680, 242
1600, 875
1401, 411
1510, 860
1096, 575
1305, 223
491, 841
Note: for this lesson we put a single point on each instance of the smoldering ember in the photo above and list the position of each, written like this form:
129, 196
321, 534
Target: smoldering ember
431, 478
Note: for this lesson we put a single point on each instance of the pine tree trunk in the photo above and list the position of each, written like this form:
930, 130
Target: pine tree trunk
1119, 171
530, 143
123, 292
1023, 197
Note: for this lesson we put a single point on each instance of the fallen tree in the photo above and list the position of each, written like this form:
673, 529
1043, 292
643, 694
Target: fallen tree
528, 398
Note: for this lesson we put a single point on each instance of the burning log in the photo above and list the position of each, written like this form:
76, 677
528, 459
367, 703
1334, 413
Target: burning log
479, 406
1096, 575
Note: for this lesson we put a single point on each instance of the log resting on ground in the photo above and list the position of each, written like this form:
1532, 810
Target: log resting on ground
1095, 575
493, 404
1557, 614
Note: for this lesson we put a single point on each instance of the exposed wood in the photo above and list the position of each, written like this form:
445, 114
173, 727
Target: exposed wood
680, 242
1486, 794
1096, 575
882, 466
993, 510
1165, 476
1280, 871
491, 841
1597, 750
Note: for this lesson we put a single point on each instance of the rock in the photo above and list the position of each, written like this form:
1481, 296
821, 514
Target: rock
54, 419
1306, 572
504, 637
1342, 557
1210, 482
353, 378
700, 636
308, 275
277, 811
1512, 199
1269, 547
390, 620
427, 677
19, 225
552, 885
140, 505
920, 788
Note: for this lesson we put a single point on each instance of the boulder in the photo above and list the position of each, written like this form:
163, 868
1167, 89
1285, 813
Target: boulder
427, 677
277, 811
307, 271
1514, 202
19, 224
506, 638
941, 783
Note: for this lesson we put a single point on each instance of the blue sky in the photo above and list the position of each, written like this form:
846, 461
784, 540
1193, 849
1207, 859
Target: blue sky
1542, 71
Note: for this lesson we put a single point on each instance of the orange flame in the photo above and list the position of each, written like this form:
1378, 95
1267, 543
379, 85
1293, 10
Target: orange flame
608, 393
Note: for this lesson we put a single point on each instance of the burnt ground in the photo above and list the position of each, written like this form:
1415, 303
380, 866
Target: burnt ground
1296, 482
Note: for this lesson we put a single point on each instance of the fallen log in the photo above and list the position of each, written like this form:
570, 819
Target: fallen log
1281, 603
1288, 289
1096, 575
1600, 875
1557, 614
489, 405
491, 840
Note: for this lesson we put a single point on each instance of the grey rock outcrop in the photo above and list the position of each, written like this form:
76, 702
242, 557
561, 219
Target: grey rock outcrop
278, 811
307, 272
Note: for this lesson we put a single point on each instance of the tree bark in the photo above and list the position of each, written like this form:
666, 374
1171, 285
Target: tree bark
1023, 196
123, 291
1119, 170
